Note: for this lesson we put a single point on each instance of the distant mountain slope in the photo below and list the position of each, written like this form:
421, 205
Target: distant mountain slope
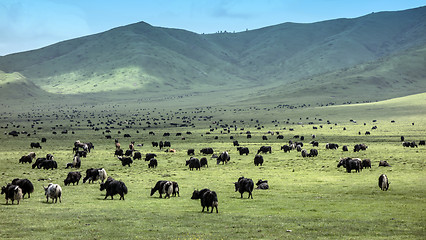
143, 60
398, 75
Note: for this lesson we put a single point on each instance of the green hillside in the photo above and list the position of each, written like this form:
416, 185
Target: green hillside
394, 76
348, 58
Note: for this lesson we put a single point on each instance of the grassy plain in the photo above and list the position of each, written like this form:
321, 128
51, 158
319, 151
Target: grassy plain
309, 198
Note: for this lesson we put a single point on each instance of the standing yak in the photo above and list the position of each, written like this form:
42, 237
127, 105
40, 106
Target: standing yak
244, 185
383, 182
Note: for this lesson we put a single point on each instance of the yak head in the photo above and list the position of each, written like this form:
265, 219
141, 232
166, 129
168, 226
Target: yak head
195, 194
3, 189
237, 186
342, 162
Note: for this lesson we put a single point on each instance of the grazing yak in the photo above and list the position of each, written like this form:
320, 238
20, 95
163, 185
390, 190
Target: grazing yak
203, 162
113, 187
265, 149
350, 163
366, 163
236, 144
191, 152
333, 146
148, 156
26, 159
224, 157
206, 151
25, 184
54, 191
345, 148
125, 160
286, 148
72, 177
193, 163
163, 187
152, 163
94, 174
47, 164
359, 147
38, 162
243, 150
262, 184
384, 164
198, 194
244, 185
35, 145
154, 144
167, 144
12, 192
313, 152
209, 199
384, 182
128, 153
258, 160
137, 155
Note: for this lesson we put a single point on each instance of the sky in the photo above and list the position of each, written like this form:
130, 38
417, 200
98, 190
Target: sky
31, 24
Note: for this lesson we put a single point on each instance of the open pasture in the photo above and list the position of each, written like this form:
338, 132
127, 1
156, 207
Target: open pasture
308, 197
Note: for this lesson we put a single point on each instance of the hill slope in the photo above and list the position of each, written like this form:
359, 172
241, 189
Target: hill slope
142, 60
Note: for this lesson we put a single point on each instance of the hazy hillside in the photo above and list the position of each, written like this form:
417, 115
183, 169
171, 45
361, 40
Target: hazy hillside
396, 76
148, 61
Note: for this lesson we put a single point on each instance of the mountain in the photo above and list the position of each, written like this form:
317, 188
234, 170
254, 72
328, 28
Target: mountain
337, 60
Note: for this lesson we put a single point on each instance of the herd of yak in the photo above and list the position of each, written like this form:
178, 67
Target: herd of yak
18, 188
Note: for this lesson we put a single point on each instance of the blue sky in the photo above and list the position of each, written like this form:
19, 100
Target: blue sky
31, 24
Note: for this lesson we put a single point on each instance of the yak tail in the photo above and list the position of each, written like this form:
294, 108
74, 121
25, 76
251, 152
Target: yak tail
124, 188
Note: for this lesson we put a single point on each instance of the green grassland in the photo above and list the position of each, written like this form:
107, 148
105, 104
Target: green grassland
309, 198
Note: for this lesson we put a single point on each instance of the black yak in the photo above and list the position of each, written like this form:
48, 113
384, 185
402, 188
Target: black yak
113, 187
258, 160
72, 177
209, 199
193, 163
25, 184
244, 185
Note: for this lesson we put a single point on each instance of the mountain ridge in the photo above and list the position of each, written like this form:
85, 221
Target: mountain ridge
143, 59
